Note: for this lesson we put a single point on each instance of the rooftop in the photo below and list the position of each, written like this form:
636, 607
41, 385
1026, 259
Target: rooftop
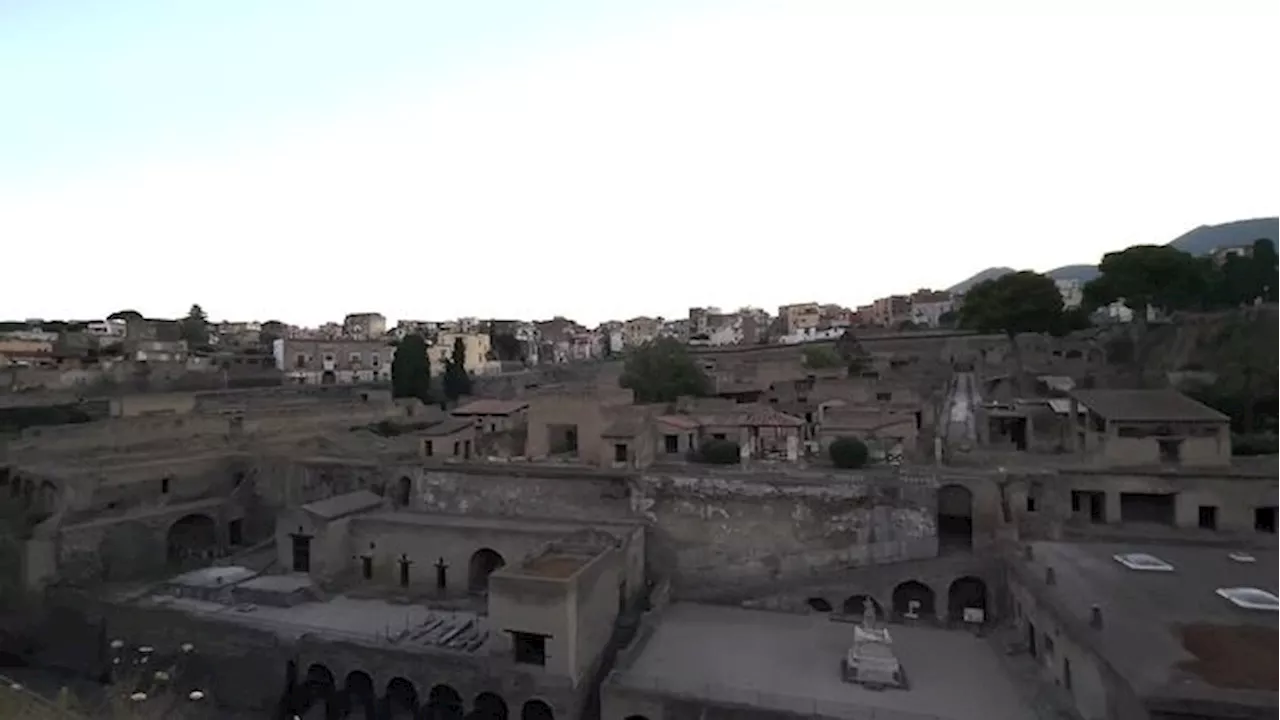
489, 406
344, 618
554, 565
448, 427
792, 663
342, 505
1166, 629
1147, 406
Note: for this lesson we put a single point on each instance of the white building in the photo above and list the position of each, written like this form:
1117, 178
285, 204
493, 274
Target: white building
1072, 292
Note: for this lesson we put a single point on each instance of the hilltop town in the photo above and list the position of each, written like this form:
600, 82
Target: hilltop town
1033, 499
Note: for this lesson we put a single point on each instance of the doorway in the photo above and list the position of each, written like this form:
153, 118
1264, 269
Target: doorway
301, 552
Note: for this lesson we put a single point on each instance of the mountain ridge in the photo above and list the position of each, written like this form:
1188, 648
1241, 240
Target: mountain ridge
1198, 241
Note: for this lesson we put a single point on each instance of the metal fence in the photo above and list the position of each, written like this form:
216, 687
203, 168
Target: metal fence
741, 696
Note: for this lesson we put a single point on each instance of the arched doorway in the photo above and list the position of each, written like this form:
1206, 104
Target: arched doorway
955, 518
818, 604
443, 703
402, 698
319, 690
404, 491
328, 377
192, 536
966, 593
483, 562
488, 706
362, 700
856, 605
536, 710
914, 600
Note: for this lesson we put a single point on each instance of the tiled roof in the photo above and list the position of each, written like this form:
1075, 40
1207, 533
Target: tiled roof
684, 422
752, 417
1147, 406
490, 406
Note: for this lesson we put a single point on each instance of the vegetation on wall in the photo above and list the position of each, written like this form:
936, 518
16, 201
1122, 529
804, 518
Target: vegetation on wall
662, 371
821, 357
410, 370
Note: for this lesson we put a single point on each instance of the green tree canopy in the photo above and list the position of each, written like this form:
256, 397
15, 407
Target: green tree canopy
1152, 276
194, 328
410, 370
125, 315
663, 370
818, 357
456, 380
1021, 302
848, 453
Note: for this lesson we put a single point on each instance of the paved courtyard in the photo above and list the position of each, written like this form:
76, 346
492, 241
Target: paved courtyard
792, 663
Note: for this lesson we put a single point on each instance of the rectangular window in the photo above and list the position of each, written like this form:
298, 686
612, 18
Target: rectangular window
671, 443
374, 360
457, 448
235, 532
530, 649
354, 358
1264, 519
300, 361
620, 452
718, 436
884, 397
428, 448
164, 485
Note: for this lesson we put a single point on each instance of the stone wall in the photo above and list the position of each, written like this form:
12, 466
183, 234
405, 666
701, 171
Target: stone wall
713, 527
727, 529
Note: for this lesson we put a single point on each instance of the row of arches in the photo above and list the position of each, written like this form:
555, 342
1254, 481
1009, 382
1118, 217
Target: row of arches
914, 600
319, 695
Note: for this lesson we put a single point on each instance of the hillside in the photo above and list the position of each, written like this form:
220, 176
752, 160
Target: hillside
1200, 241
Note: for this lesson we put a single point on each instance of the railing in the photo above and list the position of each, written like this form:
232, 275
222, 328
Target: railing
743, 697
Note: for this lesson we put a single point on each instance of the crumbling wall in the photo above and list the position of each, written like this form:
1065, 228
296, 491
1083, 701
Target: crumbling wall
725, 529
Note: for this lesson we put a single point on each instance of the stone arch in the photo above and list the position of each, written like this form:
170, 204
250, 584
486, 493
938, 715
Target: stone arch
966, 592
318, 688
328, 377
483, 562
402, 698
913, 599
191, 536
404, 491
360, 694
818, 604
955, 517
536, 710
489, 706
444, 702
855, 605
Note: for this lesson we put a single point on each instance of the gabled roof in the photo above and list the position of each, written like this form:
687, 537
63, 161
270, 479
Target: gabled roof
1147, 406
490, 406
343, 505
756, 416
684, 422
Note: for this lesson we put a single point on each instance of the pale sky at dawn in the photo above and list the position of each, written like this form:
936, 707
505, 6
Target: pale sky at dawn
428, 159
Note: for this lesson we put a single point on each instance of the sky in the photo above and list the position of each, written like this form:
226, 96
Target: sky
597, 159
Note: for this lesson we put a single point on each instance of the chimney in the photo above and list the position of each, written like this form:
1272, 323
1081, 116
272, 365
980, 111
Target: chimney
1095, 617
1049, 577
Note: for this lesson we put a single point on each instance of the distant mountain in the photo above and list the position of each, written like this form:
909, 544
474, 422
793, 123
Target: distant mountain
988, 274
1201, 241
1207, 238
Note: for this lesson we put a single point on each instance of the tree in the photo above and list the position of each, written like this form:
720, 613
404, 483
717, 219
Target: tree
848, 453
194, 328
456, 380
505, 347
410, 370
1151, 276
719, 452
125, 315
663, 370
818, 357
1020, 302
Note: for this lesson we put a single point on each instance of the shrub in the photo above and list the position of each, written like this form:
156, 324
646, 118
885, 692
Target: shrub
1259, 444
849, 453
719, 452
